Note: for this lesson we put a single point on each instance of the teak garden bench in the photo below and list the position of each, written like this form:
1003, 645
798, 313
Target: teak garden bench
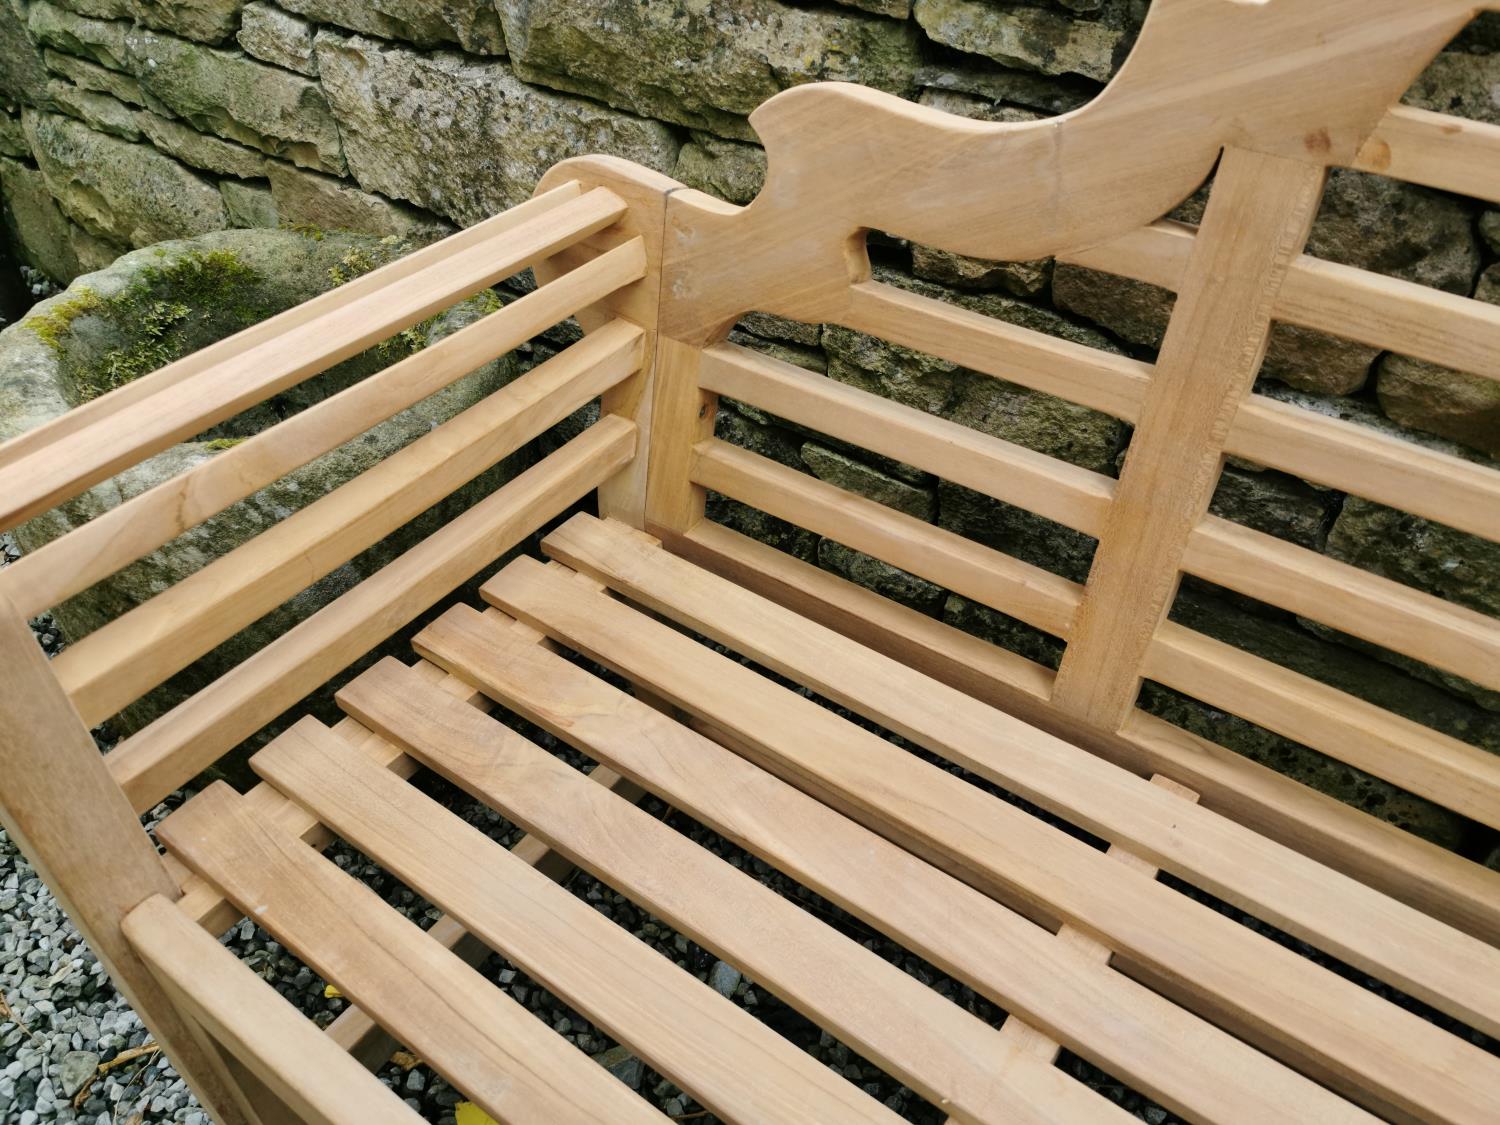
1085, 949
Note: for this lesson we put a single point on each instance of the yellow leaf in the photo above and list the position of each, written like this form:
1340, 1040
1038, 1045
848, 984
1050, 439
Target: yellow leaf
468, 1113
405, 1059
330, 992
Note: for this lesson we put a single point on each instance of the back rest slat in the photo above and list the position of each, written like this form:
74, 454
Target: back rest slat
1436, 150
253, 366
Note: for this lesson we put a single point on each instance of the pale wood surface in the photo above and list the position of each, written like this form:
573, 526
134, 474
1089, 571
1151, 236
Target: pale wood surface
485, 1043
1104, 1016
138, 650
1258, 219
305, 1069
175, 747
683, 1028
83, 838
868, 778
41, 579
67, 456
938, 1050
1408, 868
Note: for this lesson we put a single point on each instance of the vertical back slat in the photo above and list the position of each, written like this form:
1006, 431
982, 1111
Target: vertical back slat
1258, 220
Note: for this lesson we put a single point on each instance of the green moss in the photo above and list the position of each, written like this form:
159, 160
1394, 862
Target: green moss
222, 443
51, 326
166, 313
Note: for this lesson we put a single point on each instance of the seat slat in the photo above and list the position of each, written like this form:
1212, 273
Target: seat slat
485, 1043
286, 1051
1379, 854
1009, 851
1000, 581
729, 1061
177, 746
944, 1054
43, 578
217, 383
124, 659
1129, 1031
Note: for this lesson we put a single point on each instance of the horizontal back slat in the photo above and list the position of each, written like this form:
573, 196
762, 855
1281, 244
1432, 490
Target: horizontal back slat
138, 650
1007, 584
43, 578
57, 461
1436, 149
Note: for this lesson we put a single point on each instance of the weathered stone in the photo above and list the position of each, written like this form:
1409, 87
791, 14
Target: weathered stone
37, 229
101, 9
471, 24
896, 9
728, 169
309, 199
706, 64
812, 359
1015, 531
97, 111
847, 473
1022, 279
1277, 504
885, 579
1002, 631
193, 292
22, 76
75, 1070
101, 41
276, 36
124, 193
239, 99
1489, 230
462, 137
771, 327
624, 1064
208, 21
13, 137
1460, 83
1048, 95
1030, 38
977, 107
89, 76
249, 204
1440, 400
201, 150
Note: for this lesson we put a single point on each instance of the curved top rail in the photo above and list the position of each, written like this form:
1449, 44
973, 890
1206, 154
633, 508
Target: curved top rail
1306, 80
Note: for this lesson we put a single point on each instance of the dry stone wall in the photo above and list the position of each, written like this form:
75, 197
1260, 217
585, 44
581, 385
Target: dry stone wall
129, 121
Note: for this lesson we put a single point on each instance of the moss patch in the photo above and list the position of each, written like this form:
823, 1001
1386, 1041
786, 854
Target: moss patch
169, 311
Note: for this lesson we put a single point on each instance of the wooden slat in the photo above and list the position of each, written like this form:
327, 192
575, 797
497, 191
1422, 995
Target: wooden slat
1111, 383
1007, 584
286, 1051
71, 822
947, 1056
1124, 1028
1364, 462
1021, 1035
1383, 612
247, 368
177, 746
486, 1044
1436, 149
1258, 219
41, 579
729, 1061
1065, 493
1455, 774
1343, 917
1408, 868
682, 416
133, 653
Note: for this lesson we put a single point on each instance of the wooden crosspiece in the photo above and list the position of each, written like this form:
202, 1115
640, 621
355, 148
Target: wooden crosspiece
937, 789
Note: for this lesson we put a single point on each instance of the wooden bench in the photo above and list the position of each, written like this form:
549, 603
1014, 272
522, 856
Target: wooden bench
1084, 948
